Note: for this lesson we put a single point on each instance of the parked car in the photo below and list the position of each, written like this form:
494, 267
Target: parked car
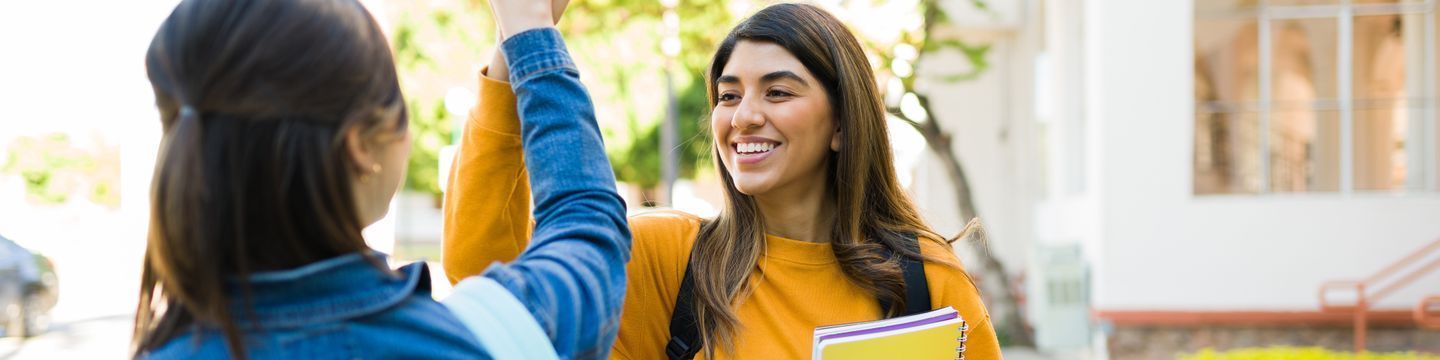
28, 290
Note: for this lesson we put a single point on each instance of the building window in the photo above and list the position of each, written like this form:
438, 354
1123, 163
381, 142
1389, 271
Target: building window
1315, 96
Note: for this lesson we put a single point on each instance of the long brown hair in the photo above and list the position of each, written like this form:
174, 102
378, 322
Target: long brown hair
861, 176
252, 173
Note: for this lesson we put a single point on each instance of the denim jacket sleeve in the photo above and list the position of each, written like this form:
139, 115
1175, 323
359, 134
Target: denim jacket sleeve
572, 275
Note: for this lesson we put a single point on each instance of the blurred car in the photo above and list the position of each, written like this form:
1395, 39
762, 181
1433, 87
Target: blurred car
28, 290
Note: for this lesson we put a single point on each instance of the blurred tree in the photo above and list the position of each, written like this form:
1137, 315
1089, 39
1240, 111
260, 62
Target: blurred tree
53, 169
900, 44
436, 46
614, 43
620, 43
431, 130
639, 162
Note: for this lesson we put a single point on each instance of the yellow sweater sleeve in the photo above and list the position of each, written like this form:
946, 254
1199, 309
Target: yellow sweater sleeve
951, 286
487, 219
487, 197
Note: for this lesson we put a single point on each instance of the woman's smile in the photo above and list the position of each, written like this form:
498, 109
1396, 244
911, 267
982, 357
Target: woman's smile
752, 150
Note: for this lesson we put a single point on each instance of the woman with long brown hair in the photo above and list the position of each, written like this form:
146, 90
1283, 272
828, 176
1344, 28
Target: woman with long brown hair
285, 135
815, 229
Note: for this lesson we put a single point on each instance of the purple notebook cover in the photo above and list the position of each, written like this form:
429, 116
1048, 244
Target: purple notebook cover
916, 323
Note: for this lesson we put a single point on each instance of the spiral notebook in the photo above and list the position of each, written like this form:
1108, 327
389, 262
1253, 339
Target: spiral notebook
938, 334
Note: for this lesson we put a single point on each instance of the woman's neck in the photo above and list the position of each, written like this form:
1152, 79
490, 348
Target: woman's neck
804, 214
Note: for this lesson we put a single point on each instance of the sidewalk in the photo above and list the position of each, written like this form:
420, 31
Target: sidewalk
1032, 354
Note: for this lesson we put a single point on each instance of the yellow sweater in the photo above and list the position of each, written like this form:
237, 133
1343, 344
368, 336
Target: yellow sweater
487, 219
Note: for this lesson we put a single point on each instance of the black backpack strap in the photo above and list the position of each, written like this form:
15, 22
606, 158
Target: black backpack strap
917, 287
684, 329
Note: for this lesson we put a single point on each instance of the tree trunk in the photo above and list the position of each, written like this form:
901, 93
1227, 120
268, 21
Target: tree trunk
994, 279
994, 282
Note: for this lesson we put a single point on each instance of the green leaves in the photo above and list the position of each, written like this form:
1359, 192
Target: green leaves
980, 4
53, 169
617, 42
639, 162
430, 130
435, 50
974, 53
408, 54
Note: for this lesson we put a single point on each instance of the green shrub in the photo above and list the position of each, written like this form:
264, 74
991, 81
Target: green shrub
1306, 353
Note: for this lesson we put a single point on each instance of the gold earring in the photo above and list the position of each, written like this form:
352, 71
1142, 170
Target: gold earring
374, 170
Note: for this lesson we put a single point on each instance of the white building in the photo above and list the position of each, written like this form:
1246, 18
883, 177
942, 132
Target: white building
1131, 131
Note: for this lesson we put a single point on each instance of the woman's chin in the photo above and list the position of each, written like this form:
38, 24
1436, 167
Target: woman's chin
375, 216
752, 188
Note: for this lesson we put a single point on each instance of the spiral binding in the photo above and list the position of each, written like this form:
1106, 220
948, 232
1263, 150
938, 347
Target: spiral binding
960, 350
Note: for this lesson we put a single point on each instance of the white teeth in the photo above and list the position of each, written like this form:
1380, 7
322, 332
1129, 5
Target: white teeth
745, 148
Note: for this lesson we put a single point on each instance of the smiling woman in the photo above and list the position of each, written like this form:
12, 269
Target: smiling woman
806, 97
796, 147
815, 229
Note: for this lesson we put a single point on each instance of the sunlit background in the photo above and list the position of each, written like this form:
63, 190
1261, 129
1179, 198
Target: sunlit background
1156, 178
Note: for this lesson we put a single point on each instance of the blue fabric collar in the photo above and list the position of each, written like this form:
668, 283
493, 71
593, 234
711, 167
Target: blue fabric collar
334, 289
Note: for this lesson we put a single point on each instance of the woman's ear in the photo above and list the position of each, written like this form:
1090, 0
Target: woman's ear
835, 141
360, 150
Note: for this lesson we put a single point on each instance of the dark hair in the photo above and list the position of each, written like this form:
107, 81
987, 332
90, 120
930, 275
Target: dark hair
255, 97
861, 175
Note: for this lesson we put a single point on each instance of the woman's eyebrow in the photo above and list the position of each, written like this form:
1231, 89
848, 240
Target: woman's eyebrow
783, 74
771, 77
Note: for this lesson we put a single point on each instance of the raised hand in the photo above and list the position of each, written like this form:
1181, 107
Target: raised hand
498, 69
517, 16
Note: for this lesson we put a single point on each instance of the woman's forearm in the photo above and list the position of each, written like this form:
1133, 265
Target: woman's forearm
572, 276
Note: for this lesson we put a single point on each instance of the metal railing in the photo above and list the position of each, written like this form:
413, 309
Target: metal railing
1383, 283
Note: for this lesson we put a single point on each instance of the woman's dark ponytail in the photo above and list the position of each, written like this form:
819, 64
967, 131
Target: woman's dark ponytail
252, 173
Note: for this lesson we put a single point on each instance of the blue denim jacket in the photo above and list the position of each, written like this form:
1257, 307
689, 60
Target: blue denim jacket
567, 287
